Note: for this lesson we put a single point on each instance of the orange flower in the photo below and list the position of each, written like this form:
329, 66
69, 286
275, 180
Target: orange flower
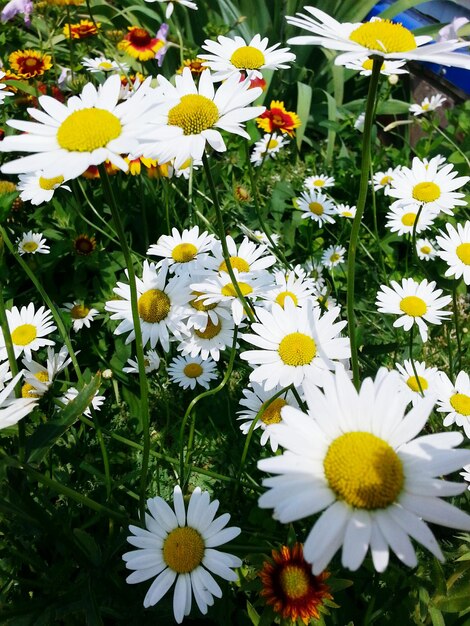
135, 165
84, 245
276, 118
81, 30
195, 65
140, 44
290, 587
29, 63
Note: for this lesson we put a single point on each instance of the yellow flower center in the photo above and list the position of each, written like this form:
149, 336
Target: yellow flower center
88, 129
193, 114
425, 249
463, 252
281, 297
29, 391
229, 289
106, 65
363, 470
319, 183
460, 402
272, 415
211, 331
50, 183
386, 180
425, 106
412, 383
426, 192
273, 143
384, 36
294, 582
183, 549
414, 306
335, 257
30, 246
42, 376
24, 334
154, 306
237, 263
408, 219
297, 349
347, 214
316, 207
184, 252
247, 58
79, 311
192, 370
368, 63
199, 304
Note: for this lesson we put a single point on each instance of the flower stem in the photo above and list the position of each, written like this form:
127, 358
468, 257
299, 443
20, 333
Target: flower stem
361, 202
413, 366
457, 324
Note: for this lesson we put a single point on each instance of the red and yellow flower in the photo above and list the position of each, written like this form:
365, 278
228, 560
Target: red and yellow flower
290, 587
276, 118
81, 30
29, 63
195, 65
140, 44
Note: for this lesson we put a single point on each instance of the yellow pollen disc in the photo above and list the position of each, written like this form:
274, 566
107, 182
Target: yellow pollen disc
386, 180
414, 306
316, 207
408, 219
272, 415
319, 183
183, 550
273, 144
384, 36
363, 470
460, 402
28, 391
426, 192
193, 114
335, 257
24, 334
42, 376
193, 370
198, 304
368, 63
30, 246
154, 306
346, 214
425, 106
294, 582
281, 297
247, 58
211, 331
412, 383
79, 311
463, 252
237, 263
229, 289
50, 183
297, 349
184, 252
88, 129
106, 65
425, 249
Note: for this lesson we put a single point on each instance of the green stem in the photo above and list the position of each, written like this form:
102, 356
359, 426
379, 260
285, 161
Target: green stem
413, 235
413, 366
459, 150
457, 324
376, 228
361, 202
143, 382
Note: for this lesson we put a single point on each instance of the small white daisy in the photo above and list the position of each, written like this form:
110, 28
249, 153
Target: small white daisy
333, 256
415, 303
13, 409
344, 210
200, 313
188, 371
455, 250
186, 252
318, 182
38, 378
289, 285
28, 330
268, 146
32, 243
37, 189
424, 380
383, 180
245, 257
322, 297
102, 64
401, 219
81, 314
364, 66
171, 5
426, 249
316, 206
179, 545
72, 393
216, 336
427, 105
230, 57
151, 363
454, 399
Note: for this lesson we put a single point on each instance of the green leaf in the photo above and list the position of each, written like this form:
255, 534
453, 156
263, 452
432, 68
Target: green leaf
332, 114
26, 87
393, 107
399, 7
88, 546
304, 101
252, 613
453, 604
436, 617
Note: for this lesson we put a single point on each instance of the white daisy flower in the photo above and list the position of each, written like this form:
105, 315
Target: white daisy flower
401, 219
191, 115
151, 363
38, 378
259, 236
28, 329
296, 344
415, 303
316, 206
72, 393
88, 130
200, 313
245, 257
426, 249
322, 297
102, 64
171, 5
186, 252
268, 146
419, 385
355, 457
322, 181
13, 409
363, 65
185, 169
429, 184
333, 256
32, 243
377, 37
37, 189
383, 180
466, 474
360, 121
188, 371
162, 306
3, 87
254, 398
5, 374
344, 210
455, 250
230, 57
454, 399
81, 314
216, 336
289, 285
179, 545
427, 105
